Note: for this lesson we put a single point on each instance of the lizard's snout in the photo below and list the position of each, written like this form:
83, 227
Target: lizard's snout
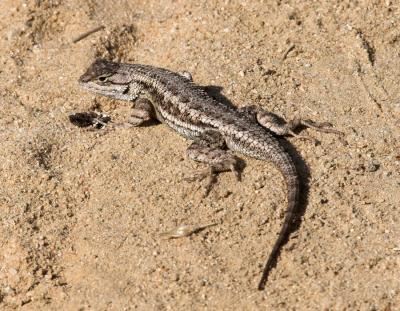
84, 78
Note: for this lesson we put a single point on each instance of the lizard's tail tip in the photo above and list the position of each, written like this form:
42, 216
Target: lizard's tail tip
264, 277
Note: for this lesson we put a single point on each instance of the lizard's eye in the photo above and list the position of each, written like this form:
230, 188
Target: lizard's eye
102, 78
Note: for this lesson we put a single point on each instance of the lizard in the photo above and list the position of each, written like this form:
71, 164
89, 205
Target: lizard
217, 131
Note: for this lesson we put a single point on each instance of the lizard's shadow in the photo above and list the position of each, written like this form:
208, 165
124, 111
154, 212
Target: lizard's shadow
301, 166
215, 92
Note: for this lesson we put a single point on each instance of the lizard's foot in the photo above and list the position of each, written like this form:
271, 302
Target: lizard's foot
280, 127
202, 174
211, 174
324, 127
209, 149
142, 112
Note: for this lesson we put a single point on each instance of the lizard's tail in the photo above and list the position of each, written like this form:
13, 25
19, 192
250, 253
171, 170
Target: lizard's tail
288, 169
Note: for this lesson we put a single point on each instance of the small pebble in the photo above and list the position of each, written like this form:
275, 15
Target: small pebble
372, 166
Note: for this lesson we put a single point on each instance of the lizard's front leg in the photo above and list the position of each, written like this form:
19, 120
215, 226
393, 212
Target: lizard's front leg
280, 127
210, 148
143, 111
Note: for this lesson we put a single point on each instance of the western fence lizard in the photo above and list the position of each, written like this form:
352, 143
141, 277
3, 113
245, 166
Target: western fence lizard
216, 129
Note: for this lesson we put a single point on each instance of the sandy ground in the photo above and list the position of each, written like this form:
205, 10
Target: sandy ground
82, 210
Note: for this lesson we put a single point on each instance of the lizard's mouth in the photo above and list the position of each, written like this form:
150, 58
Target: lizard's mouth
115, 91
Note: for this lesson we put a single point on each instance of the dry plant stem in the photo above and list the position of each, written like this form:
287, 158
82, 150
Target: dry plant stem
88, 33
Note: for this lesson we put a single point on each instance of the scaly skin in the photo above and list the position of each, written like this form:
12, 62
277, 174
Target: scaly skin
175, 100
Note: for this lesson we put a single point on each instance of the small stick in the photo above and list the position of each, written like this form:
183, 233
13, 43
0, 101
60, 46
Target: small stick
184, 230
290, 48
88, 33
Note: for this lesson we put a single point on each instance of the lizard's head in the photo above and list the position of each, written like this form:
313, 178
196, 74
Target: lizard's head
107, 78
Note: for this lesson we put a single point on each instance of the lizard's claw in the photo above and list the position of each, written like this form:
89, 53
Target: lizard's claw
325, 127
235, 171
197, 176
209, 173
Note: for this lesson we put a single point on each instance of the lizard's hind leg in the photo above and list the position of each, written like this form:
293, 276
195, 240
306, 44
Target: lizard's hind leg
210, 148
280, 127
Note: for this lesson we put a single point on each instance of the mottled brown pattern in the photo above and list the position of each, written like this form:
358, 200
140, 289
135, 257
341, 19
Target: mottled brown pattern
188, 109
